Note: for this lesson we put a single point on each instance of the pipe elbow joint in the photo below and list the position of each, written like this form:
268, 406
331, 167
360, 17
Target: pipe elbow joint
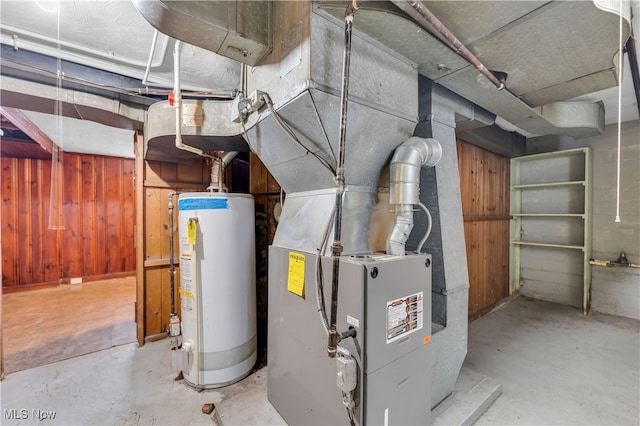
404, 186
406, 163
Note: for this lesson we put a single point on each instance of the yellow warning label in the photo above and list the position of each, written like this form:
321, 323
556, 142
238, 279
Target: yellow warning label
188, 294
191, 231
295, 279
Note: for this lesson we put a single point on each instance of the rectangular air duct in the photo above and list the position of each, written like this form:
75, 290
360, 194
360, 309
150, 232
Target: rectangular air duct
239, 30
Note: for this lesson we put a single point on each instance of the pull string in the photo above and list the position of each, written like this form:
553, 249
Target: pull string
56, 221
620, 64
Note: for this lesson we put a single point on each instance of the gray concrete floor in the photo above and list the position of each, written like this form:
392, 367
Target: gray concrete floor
128, 385
555, 365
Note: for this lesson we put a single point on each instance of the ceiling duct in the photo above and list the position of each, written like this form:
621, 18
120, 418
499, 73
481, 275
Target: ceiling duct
205, 125
551, 51
301, 72
239, 30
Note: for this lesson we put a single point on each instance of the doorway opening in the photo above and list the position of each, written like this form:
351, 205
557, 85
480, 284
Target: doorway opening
68, 289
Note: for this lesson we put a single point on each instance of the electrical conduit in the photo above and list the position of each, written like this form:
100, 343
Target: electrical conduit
336, 247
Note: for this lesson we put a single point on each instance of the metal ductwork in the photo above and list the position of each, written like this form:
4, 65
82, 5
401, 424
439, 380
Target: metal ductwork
239, 30
299, 72
407, 160
304, 89
205, 125
565, 36
404, 186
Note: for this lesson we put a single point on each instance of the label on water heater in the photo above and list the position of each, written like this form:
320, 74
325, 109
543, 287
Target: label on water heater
404, 316
186, 283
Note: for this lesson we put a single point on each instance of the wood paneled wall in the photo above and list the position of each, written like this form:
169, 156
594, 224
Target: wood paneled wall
97, 218
158, 180
266, 192
484, 183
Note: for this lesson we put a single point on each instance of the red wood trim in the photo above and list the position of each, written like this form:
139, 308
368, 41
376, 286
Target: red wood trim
22, 149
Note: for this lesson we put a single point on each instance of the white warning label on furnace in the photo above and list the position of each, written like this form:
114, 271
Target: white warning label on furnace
404, 316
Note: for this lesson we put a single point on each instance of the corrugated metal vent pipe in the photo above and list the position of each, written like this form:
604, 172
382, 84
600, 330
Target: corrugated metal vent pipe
404, 186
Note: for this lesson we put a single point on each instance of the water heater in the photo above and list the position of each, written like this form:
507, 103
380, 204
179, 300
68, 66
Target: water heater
217, 287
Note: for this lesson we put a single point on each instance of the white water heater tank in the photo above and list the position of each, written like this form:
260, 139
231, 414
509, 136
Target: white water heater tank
217, 287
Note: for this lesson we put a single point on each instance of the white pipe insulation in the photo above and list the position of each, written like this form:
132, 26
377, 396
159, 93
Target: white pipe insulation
404, 186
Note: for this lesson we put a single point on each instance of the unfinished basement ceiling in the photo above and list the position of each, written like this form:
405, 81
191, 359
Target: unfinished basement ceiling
110, 35
551, 50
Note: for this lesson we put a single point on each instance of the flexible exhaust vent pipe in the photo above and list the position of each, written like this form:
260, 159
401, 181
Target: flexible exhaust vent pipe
219, 163
404, 186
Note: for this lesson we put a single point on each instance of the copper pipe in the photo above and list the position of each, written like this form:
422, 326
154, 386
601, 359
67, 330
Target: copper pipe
457, 44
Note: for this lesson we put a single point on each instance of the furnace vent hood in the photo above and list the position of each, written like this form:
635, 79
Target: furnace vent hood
303, 78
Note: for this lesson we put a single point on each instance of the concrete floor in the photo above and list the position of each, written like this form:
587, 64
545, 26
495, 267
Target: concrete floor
555, 366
